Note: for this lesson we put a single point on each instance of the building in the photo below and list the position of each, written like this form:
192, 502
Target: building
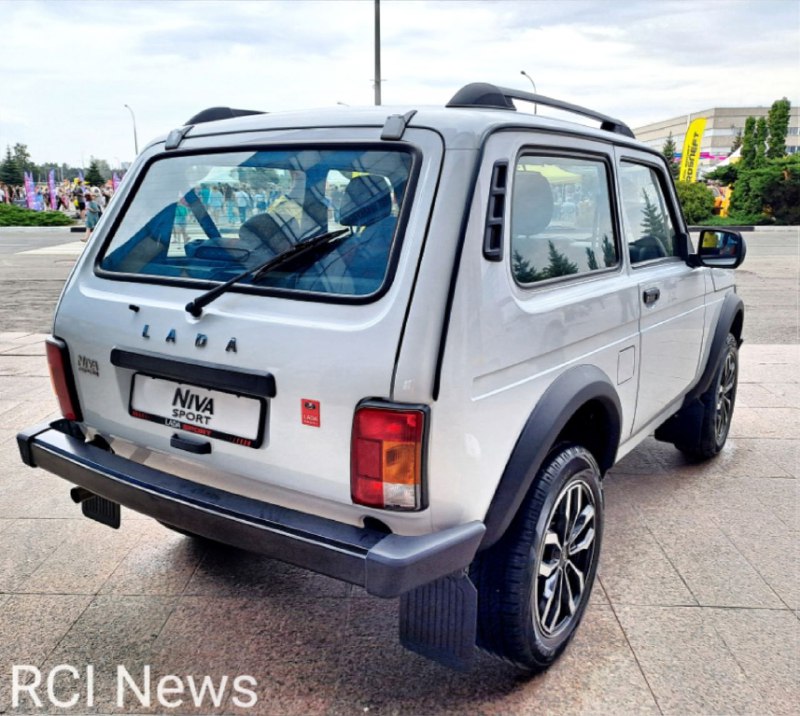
722, 126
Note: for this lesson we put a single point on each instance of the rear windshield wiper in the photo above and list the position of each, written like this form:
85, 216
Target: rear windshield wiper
196, 306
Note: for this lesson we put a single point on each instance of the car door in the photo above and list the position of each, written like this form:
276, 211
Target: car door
671, 293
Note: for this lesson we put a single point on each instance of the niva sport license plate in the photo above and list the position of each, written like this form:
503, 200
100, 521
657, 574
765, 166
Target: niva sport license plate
213, 413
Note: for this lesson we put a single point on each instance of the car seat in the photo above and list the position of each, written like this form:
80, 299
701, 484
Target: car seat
363, 257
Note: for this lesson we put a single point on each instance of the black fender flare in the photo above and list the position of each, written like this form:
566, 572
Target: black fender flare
562, 400
731, 312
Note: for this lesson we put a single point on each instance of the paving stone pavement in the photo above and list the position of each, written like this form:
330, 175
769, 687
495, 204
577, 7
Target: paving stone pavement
696, 611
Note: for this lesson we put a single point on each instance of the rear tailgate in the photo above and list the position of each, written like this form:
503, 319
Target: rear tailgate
259, 390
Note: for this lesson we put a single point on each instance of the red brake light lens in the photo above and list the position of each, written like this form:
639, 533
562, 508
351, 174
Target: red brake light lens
386, 458
61, 378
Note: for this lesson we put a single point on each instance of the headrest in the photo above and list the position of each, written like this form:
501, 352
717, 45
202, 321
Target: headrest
366, 201
532, 204
266, 230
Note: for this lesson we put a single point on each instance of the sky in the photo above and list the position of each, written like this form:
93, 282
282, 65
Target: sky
68, 68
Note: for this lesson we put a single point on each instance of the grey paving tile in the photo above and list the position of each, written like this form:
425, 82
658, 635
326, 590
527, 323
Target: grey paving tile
32, 412
633, 567
766, 423
785, 453
766, 645
28, 366
687, 664
14, 388
5, 523
84, 560
32, 625
161, 562
715, 571
25, 545
113, 630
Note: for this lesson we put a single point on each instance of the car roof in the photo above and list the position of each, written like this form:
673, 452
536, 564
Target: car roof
475, 111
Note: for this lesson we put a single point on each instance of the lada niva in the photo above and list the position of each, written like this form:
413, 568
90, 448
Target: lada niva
399, 347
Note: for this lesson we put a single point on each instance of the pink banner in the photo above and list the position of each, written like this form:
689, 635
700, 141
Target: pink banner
30, 190
51, 180
115, 181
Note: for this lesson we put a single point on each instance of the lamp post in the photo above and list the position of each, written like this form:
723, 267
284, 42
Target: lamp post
377, 80
522, 72
135, 140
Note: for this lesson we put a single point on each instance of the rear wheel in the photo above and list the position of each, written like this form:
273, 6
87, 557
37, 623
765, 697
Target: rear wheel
533, 585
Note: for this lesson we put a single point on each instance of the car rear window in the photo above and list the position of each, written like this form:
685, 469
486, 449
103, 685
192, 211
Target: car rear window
210, 217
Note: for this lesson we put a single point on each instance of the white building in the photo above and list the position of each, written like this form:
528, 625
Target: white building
722, 126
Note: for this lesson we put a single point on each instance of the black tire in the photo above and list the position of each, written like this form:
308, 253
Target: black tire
526, 580
717, 405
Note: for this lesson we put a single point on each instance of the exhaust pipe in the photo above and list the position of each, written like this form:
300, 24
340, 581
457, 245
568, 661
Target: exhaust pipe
80, 494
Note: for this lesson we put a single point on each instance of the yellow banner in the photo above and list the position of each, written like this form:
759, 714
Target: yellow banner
690, 157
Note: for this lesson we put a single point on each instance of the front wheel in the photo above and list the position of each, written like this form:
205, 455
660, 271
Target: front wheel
533, 585
717, 407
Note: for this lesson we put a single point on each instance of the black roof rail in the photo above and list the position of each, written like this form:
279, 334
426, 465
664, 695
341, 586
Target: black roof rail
488, 96
212, 114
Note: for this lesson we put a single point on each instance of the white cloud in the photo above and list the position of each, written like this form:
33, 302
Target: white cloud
69, 67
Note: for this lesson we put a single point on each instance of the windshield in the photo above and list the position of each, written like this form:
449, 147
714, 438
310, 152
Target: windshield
215, 216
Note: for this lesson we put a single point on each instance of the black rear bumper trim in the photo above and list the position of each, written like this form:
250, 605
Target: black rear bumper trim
386, 565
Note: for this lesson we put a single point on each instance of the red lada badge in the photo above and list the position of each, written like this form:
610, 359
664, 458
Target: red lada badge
310, 412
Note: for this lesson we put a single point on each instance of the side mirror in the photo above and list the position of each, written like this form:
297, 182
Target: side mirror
721, 249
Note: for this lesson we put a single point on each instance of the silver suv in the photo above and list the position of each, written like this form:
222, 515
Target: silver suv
400, 348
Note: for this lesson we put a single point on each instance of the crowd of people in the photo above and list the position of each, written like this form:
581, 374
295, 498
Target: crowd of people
70, 196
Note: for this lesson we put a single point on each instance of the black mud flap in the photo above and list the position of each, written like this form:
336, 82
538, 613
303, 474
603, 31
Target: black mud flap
439, 621
97, 508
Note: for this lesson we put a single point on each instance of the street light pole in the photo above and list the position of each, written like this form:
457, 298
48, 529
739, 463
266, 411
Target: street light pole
522, 72
135, 139
377, 52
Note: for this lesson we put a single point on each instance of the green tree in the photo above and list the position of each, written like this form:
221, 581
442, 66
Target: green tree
697, 201
10, 173
523, 270
748, 159
653, 221
726, 174
93, 176
668, 151
737, 139
770, 193
778, 128
559, 264
23, 158
761, 142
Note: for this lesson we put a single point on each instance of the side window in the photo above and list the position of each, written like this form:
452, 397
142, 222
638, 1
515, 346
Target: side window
649, 231
560, 218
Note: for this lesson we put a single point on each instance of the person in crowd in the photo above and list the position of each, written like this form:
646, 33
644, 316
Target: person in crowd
93, 213
215, 201
243, 202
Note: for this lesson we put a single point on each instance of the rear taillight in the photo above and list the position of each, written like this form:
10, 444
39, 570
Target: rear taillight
386, 457
61, 377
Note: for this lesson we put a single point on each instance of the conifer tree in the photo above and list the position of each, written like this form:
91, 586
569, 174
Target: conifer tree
668, 151
778, 128
761, 143
559, 265
748, 160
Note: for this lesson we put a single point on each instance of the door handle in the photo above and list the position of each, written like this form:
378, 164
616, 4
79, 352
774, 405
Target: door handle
651, 295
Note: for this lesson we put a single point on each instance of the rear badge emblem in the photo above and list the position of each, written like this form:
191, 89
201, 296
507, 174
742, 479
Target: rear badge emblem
88, 365
310, 412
